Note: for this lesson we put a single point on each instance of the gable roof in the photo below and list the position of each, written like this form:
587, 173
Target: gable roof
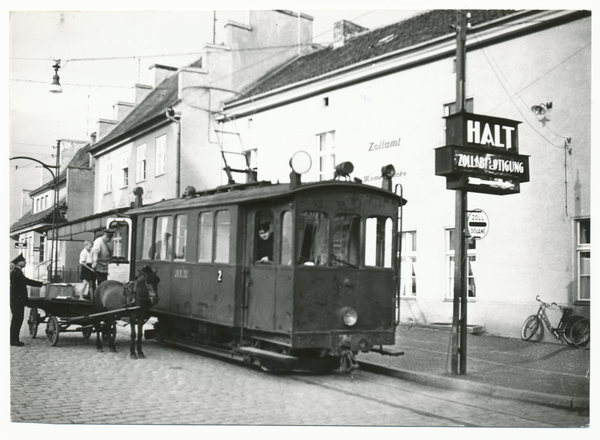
418, 29
39, 218
155, 104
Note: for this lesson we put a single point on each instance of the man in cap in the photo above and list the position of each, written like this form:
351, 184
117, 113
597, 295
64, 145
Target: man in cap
18, 297
102, 252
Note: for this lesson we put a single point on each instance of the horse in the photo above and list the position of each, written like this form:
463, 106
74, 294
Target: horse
113, 295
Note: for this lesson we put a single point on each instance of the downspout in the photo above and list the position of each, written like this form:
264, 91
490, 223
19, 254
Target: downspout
171, 115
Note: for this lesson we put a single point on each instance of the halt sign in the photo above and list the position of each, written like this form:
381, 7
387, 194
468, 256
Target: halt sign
477, 224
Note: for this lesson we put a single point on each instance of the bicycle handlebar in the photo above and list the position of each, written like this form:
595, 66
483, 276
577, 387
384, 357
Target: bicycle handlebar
545, 303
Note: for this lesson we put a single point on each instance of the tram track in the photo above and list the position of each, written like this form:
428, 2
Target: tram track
450, 408
442, 407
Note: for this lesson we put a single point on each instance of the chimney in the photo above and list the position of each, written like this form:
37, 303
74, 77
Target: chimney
161, 72
141, 91
26, 202
122, 109
93, 138
344, 30
105, 126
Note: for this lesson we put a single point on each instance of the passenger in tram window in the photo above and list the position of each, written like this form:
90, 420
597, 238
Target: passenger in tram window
264, 244
163, 252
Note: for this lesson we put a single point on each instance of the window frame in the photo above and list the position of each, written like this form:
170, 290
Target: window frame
147, 239
179, 237
160, 167
286, 241
124, 170
210, 238
219, 247
140, 163
108, 170
164, 231
580, 249
408, 257
325, 153
449, 265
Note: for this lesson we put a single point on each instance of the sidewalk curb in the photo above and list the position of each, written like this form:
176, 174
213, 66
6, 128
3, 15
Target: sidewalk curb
454, 383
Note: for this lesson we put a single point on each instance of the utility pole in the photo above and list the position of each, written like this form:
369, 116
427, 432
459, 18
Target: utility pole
214, 27
54, 261
459, 315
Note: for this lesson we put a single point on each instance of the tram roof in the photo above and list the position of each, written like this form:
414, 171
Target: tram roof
255, 192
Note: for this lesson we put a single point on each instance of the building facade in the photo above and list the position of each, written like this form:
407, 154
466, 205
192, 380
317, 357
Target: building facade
380, 97
50, 208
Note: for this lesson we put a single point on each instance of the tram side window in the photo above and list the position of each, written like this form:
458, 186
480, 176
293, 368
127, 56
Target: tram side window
312, 249
345, 240
120, 241
205, 237
287, 236
147, 240
378, 242
164, 239
263, 238
180, 236
223, 231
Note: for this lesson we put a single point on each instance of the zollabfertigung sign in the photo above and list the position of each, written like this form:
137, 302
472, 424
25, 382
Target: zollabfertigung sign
482, 155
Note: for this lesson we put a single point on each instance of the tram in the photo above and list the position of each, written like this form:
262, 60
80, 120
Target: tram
298, 276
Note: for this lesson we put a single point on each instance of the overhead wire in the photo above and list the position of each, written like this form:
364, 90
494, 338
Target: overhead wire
496, 69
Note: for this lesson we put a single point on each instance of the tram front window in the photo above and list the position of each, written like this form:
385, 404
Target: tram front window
345, 240
312, 249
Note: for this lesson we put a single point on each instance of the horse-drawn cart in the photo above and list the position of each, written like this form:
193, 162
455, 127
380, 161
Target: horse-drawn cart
65, 312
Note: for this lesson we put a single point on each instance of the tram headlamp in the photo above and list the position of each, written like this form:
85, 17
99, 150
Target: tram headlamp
349, 316
388, 171
301, 162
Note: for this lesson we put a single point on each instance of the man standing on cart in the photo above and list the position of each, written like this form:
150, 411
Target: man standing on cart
102, 252
18, 297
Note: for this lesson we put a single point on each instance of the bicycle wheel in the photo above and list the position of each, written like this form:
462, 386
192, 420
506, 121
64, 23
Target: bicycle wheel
580, 333
530, 327
566, 329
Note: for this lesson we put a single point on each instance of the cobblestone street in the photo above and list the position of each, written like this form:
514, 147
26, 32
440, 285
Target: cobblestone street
71, 383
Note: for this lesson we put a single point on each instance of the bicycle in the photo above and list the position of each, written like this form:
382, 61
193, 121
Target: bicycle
564, 330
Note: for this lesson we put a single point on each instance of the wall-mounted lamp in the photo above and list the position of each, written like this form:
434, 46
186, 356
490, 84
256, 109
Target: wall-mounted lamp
55, 87
541, 109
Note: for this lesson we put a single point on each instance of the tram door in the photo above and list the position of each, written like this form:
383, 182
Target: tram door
261, 270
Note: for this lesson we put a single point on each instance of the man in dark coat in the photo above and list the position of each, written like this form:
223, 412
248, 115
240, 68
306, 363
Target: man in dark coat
18, 298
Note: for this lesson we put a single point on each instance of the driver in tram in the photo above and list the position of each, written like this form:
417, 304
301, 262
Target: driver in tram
264, 245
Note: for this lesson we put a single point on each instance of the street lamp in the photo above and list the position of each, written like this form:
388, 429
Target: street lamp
55, 176
55, 87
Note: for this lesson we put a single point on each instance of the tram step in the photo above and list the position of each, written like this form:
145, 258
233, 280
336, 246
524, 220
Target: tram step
387, 351
265, 354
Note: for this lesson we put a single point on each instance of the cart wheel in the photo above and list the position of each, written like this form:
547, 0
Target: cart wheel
86, 332
52, 330
33, 322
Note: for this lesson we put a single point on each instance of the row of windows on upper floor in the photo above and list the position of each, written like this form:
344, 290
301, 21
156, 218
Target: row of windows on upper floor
141, 165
